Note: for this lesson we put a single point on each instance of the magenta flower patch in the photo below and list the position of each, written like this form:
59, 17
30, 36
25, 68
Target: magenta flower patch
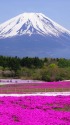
35, 110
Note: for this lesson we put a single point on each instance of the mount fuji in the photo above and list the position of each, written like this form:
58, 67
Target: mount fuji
34, 34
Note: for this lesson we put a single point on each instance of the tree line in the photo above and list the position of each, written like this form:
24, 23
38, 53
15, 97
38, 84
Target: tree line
48, 69
14, 63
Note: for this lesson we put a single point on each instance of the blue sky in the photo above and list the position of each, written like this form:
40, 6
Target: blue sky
57, 10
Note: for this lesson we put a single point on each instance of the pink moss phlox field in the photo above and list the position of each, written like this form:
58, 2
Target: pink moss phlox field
50, 85
60, 84
38, 84
35, 110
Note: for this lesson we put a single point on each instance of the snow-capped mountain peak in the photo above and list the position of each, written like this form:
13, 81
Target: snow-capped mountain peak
31, 23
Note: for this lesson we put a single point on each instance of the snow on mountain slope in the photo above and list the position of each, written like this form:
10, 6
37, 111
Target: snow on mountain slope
31, 23
34, 34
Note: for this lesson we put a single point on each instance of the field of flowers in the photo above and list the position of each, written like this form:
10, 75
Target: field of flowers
35, 110
31, 87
